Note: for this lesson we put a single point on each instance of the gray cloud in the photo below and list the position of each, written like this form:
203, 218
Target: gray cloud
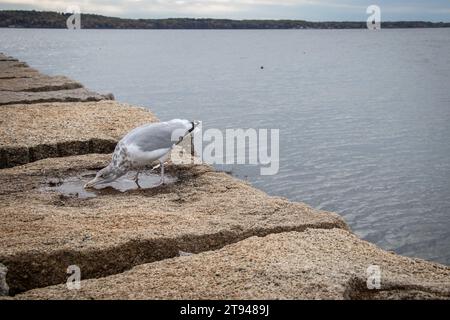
436, 10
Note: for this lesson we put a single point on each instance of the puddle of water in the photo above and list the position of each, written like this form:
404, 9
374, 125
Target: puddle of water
74, 186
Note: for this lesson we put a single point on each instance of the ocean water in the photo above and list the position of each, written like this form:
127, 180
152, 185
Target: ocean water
364, 116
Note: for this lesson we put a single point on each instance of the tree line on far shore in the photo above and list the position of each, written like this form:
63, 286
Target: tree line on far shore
47, 19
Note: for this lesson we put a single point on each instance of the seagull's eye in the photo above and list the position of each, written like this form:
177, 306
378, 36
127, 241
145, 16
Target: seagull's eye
101, 175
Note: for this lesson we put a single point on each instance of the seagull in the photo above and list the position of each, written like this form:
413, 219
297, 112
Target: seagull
143, 146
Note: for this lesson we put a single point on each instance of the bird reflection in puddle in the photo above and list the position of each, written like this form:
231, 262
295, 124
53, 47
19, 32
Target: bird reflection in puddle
74, 186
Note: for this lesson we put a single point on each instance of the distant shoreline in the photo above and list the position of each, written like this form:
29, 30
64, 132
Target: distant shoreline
55, 20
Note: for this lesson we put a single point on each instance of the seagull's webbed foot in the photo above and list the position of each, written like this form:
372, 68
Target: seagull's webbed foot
138, 185
161, 181
159, 184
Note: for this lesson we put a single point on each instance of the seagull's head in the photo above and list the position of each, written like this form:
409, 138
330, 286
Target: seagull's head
195, 125
106, 175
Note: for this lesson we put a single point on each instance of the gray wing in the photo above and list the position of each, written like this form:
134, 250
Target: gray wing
156, 136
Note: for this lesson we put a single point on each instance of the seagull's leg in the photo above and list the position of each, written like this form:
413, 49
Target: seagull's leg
162, 174
161, 180
162, 160
136, 179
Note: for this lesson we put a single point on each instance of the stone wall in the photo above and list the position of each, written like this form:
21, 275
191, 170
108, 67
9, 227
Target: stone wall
206, 235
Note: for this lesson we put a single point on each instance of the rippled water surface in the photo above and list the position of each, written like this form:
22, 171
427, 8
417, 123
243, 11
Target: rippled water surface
364, 117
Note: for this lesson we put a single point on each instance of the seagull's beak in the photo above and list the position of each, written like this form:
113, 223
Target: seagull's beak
92, 183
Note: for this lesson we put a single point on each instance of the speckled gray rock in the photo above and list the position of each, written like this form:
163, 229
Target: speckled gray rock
39, 83
18, 72
4, 57
11, 68
4, 289
8, 64
21, 84
314, 264
44, 231
162, 233
33, 132
75, 95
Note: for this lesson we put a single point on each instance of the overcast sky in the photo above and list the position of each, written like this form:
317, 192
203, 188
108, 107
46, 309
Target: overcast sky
314, 10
